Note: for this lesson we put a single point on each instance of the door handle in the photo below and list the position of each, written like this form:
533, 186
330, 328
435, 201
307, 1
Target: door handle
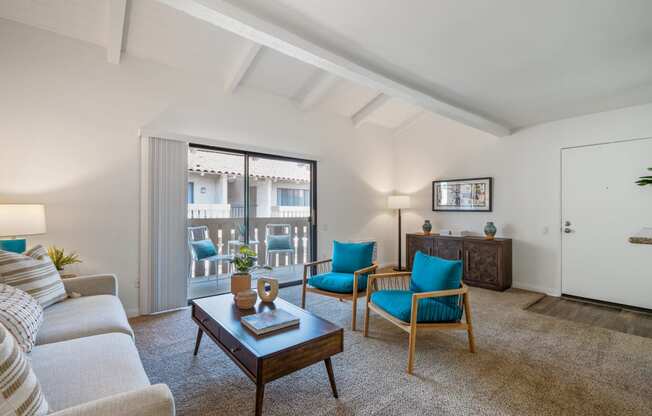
466, 260
568, 230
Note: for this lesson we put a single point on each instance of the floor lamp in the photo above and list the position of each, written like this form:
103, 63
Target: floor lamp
399, 202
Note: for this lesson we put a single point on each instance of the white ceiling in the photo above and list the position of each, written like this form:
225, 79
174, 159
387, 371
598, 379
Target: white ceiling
514, 62
517, 62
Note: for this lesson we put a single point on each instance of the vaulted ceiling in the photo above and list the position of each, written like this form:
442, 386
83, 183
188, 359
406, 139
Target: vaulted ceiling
497, 66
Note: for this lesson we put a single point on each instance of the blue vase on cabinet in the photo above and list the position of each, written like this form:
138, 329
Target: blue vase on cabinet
489, 230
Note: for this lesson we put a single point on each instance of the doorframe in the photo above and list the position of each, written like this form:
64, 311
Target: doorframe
313, 189
559, 293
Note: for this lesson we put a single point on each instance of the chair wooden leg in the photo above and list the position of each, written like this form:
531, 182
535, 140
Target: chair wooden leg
413, 335
365, 331
354, 315
469, 326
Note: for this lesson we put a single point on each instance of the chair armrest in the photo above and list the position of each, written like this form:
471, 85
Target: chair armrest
153, 400
366, 270
441, 293
99, 284
315, 263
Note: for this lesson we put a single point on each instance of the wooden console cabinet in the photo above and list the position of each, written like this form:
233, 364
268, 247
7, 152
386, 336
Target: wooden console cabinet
487, 263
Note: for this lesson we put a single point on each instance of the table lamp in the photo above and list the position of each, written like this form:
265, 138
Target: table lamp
398, 202
20, 220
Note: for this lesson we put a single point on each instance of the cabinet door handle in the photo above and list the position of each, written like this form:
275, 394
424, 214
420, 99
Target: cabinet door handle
459, 254
466, 261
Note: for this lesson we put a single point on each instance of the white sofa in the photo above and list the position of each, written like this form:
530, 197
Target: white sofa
86, 360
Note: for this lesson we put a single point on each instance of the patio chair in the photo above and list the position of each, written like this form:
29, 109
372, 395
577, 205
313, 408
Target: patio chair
280, 243
202, 247
344, 276
432, 296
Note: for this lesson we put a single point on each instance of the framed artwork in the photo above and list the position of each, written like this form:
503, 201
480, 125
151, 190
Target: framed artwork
469, 195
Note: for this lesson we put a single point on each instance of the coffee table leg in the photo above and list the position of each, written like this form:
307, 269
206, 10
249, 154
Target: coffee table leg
331, 377
199, 334
260, 393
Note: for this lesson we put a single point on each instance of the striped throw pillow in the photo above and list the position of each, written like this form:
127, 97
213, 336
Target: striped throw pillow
21, 315
34, 273
21, 391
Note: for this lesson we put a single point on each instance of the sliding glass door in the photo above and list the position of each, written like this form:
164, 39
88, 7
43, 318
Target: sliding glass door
238, 198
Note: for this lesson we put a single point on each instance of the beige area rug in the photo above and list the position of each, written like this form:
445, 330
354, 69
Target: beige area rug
525, 364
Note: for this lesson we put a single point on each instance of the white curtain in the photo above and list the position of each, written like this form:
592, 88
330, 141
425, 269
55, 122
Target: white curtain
164, 284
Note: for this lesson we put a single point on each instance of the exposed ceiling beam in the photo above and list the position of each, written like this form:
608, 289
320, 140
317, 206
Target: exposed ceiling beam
369, 109
117, 17
234, 19
318, 90
241, 66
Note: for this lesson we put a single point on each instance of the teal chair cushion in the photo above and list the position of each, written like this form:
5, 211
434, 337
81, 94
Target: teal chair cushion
351, 257
337, 282
430, 273
398, 303
203, 249
279, 242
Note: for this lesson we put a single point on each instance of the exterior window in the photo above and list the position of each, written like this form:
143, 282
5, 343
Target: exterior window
292, 197
191, 192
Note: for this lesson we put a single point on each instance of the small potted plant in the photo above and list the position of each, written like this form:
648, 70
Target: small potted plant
645, 180
60, 259
244, 262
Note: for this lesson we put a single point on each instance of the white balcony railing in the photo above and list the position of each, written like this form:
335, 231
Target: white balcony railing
209, 211
284, 211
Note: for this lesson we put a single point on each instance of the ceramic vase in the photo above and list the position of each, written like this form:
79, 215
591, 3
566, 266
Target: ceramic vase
426, 227
240, 282
246, 299
490, 230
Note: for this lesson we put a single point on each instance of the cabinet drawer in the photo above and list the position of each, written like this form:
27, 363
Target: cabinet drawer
205, 320
243, 355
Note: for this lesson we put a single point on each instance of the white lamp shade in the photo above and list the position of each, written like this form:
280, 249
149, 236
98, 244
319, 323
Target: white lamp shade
21, 219
398, 201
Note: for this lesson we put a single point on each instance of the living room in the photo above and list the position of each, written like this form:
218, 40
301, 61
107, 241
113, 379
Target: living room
104, 101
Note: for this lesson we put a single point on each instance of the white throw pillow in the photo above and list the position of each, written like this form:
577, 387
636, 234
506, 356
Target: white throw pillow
21, 391
21, 315
34, 273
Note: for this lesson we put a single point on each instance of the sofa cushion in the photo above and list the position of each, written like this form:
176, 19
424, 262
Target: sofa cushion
351, 257
204, 249
398, 303
430, 273
34, 273
21, 314
85, 369
337, 282
20, 387
279, 242
82, 317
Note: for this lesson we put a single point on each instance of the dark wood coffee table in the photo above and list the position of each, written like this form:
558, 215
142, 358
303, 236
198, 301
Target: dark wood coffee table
267, 357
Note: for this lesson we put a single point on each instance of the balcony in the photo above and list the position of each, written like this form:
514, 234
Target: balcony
211, 278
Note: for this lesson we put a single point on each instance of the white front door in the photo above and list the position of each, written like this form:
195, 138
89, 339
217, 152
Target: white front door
601, 208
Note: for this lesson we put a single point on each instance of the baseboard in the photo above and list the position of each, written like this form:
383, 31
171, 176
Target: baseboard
132, 313
536, 288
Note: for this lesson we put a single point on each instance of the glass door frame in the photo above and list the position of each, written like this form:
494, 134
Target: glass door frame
312, 221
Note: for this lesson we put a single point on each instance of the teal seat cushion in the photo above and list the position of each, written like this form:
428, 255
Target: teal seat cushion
203, 249
398, 303
351, 257
430, 273
337, 282
279, 242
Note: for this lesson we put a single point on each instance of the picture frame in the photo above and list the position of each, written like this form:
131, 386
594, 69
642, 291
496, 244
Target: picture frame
463, 195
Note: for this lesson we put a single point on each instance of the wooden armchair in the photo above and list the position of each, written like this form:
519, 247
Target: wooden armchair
324, 266
401, 281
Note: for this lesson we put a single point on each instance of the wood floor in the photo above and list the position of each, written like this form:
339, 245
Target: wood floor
610, 317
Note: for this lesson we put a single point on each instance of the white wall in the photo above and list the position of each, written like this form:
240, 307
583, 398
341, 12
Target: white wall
68, 138
526, 171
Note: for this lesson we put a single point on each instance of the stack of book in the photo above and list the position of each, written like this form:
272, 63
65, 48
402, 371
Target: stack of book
266, 322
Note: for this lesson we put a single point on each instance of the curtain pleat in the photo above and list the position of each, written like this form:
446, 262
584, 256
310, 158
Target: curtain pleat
168, 217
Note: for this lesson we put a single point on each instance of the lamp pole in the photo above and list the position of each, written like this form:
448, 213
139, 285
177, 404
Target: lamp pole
399, 268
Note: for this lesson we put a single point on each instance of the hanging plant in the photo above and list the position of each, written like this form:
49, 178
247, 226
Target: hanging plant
645, 180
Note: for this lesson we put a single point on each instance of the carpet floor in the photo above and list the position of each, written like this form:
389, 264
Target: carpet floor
526, 364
